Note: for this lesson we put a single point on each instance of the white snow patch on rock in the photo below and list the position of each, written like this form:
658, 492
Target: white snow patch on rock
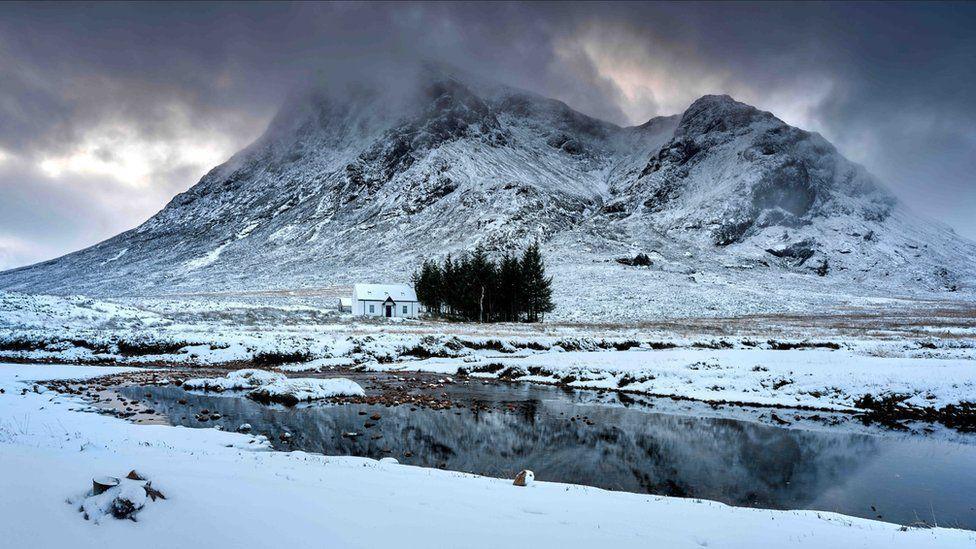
318, 364
275, 386
207, 259
303, 389
249, 378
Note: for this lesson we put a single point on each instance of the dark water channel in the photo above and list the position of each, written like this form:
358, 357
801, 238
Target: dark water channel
636, 448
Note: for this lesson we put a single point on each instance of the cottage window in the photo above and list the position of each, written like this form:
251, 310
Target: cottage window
404, 309
372, 308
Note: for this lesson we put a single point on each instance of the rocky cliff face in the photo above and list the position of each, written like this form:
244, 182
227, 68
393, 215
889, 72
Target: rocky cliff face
354, 186
731, 171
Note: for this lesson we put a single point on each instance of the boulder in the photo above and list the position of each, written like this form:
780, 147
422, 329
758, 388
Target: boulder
524, 478
798, 252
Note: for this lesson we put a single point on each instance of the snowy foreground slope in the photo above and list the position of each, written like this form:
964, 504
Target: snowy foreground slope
229, 490
739, 212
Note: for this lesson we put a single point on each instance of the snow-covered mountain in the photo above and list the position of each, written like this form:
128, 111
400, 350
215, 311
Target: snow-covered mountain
362, 184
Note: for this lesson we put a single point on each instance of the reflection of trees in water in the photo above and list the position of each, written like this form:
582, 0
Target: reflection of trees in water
722, 459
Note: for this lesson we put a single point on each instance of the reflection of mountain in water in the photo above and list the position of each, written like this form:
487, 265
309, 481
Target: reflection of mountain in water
726, 460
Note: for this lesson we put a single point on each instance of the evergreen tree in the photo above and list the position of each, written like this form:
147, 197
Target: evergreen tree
476, 288
428, 283
451, 286
480, 286
465, 303
536, 286
509, 288
418, 286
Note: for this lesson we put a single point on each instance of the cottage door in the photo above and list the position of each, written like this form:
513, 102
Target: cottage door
389, 311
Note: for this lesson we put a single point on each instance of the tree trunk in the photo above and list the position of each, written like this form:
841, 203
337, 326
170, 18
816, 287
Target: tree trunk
481, 305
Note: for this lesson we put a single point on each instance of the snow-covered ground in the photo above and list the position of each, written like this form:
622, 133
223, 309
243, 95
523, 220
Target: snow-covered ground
229, 490
226, 489
817, 378
926, 354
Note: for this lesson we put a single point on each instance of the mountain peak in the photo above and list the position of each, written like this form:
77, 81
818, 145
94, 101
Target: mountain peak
715, 99
718, 113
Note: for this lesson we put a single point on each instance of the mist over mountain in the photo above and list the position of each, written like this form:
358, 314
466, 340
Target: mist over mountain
359, 181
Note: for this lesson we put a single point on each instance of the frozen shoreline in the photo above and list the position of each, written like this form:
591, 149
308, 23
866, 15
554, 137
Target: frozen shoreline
812, 378
338, 501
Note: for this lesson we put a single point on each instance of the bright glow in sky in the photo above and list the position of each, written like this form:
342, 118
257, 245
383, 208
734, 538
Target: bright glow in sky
120, 153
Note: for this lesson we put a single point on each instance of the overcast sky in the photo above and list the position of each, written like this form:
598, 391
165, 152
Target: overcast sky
107, 111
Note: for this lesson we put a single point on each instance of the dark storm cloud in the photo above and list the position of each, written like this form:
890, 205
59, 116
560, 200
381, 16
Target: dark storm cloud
107, 106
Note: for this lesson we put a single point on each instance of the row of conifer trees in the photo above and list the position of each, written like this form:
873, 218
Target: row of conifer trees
476, 288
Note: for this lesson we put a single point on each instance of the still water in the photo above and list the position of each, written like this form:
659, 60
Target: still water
637, 448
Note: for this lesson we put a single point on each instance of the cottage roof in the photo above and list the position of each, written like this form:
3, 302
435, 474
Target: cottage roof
380, 292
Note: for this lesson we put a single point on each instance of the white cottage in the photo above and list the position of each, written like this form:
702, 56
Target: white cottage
389, 300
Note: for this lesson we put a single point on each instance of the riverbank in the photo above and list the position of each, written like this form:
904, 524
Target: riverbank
891, 366
229, 489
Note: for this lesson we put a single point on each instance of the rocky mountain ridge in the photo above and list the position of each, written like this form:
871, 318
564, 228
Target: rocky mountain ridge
354, 187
